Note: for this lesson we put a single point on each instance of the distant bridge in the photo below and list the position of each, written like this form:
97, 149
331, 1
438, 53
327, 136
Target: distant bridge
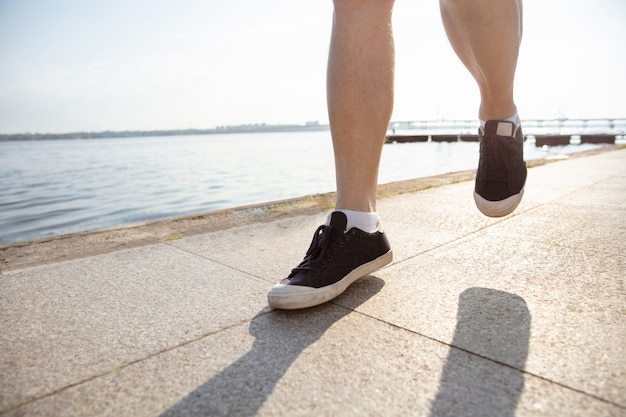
597, 125
550, 132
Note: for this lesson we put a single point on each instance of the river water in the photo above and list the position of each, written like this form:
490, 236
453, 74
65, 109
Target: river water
58, 187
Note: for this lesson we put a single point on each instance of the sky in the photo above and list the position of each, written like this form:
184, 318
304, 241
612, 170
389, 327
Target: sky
76, 65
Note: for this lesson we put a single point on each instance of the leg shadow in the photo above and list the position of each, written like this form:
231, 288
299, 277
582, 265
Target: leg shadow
483, 371
280, 337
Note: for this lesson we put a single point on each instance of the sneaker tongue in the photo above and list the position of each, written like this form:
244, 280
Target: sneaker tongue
338, 221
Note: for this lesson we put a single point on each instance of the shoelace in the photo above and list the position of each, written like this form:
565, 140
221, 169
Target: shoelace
504, 161
323, 247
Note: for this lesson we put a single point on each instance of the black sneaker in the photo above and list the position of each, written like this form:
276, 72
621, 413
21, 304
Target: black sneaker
501, 171
335, 259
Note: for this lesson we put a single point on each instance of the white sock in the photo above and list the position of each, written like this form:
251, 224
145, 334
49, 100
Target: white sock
513, 119
368, 222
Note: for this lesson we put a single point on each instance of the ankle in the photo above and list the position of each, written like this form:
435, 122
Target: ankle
366, 221
492, 109
359, 203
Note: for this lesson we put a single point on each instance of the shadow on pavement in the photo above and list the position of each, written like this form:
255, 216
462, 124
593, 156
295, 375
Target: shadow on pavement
483, 371
280, 337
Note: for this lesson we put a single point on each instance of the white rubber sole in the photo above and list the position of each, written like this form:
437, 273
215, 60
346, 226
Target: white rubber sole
290, 297
498, 208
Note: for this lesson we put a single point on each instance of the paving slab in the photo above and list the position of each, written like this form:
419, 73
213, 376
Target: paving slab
309, 363
523, 315
65, 323
575, 317
267, 251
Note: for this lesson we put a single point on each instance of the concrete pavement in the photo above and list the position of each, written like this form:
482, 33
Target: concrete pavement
523, 315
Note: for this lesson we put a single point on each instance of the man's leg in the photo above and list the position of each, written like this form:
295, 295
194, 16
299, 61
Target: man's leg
360, 102
360, 97
486, 35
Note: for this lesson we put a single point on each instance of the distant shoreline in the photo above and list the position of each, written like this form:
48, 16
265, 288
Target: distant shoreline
613, 125
108, 134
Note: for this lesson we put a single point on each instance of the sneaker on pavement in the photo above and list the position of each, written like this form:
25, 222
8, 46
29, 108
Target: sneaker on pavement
335, 259
501, 173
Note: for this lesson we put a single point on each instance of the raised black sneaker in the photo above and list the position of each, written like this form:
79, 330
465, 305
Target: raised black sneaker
335, 259
501, 173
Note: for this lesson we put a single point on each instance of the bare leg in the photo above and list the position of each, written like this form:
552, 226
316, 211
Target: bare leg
360, 96
486, 35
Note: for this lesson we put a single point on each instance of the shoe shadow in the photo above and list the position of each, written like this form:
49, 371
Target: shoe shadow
280, 337
483, 371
